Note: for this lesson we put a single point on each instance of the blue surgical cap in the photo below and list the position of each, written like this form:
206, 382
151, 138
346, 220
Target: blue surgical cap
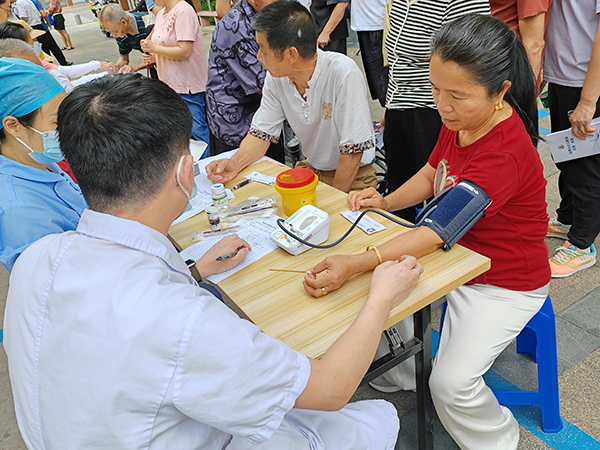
24, 87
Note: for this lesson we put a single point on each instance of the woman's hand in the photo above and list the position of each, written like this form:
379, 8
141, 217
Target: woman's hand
148, 46
148, 58
367, 197
392, 281
336, 272
111, 68
207, 265
581, 118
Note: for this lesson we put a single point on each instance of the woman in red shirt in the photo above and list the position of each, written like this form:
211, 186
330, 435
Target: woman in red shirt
483, 87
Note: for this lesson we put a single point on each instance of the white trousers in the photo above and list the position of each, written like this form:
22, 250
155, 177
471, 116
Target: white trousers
480, 322
364, 425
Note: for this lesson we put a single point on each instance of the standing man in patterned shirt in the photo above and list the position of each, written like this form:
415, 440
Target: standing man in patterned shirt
235, 79
323, 95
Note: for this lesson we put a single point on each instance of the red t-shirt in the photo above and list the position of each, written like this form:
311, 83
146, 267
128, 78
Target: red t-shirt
511, 11
506, 165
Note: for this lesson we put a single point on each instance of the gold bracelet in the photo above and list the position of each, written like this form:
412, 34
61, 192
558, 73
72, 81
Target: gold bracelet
372, 247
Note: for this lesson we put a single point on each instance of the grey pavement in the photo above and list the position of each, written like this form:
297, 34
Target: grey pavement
576, 301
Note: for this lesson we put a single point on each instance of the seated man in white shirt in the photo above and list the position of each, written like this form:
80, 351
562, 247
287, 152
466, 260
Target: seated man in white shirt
112, 344
322, 95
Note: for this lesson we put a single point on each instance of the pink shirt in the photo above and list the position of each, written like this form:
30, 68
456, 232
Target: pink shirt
56, 5
46, 65
181, 24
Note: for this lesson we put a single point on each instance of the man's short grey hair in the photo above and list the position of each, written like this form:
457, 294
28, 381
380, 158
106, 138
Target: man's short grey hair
11, 47
112, 14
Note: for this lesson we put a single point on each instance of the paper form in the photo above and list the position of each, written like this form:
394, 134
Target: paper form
257, 232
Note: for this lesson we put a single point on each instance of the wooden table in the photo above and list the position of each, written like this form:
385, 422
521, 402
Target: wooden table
277, 302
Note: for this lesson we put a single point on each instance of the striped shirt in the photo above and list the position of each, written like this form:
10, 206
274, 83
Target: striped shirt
413, 24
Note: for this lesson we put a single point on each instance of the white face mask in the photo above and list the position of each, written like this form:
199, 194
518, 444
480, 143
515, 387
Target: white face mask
37, 48
187, 194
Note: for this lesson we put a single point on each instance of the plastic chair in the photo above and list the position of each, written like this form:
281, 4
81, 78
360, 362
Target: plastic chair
537, 339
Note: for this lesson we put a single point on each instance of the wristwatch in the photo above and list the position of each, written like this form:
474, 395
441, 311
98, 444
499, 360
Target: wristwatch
194, 271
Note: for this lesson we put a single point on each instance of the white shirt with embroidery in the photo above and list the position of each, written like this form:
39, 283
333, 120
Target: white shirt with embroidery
333, 118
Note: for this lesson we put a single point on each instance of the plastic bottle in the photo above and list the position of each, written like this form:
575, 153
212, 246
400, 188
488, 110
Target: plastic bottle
213, 218
219, 196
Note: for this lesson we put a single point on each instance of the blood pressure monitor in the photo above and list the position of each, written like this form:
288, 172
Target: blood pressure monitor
308, 223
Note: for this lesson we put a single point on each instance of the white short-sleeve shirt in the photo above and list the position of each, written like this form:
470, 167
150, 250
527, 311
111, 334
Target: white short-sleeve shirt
26, 8
367, 15
334, 117
111, 344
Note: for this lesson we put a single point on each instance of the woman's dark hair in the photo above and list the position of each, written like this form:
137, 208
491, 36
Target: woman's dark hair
12, 30
492, 54
286, 23
26, 120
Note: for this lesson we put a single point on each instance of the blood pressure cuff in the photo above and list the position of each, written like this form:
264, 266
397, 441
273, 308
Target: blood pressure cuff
454, 211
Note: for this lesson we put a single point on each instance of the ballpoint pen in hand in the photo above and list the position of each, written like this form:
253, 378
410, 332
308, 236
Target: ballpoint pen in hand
229, 255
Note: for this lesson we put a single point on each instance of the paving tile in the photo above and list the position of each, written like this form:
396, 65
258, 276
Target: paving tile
408, 434
546, 158
519, 369
579, 392
585, 313
573, 344
552, 184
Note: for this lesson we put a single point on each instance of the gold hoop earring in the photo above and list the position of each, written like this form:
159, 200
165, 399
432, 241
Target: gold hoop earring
498, 106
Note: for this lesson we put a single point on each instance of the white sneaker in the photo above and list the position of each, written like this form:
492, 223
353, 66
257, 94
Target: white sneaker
382, 385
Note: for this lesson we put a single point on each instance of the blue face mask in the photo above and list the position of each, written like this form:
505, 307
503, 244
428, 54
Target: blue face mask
37, 48
51, 153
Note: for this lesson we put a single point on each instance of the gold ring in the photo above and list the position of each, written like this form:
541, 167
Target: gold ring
323, 291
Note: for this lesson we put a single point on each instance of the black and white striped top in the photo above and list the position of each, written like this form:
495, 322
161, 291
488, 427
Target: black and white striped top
413, 24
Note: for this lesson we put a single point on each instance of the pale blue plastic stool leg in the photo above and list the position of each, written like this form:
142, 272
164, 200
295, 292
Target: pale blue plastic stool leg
541, 329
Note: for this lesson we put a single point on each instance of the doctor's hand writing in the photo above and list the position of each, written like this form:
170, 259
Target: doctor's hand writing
369, 198
222, 170
208, 266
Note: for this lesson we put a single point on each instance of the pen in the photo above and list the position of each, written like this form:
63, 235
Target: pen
229, 255
239, 185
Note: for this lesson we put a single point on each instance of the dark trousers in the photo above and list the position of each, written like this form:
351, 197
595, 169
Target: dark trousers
50, 46
371, 45
579, 179
409, 137
275, 151
336, 45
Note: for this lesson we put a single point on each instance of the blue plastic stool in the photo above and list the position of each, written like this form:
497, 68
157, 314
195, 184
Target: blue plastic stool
537, 339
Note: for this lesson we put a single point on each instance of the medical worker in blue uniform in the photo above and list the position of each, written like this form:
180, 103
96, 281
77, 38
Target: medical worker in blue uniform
36, 197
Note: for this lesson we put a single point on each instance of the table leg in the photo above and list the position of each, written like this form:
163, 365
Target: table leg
422, 320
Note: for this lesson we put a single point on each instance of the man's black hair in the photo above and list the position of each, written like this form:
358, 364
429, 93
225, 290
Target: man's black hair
286, 23
122, 136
